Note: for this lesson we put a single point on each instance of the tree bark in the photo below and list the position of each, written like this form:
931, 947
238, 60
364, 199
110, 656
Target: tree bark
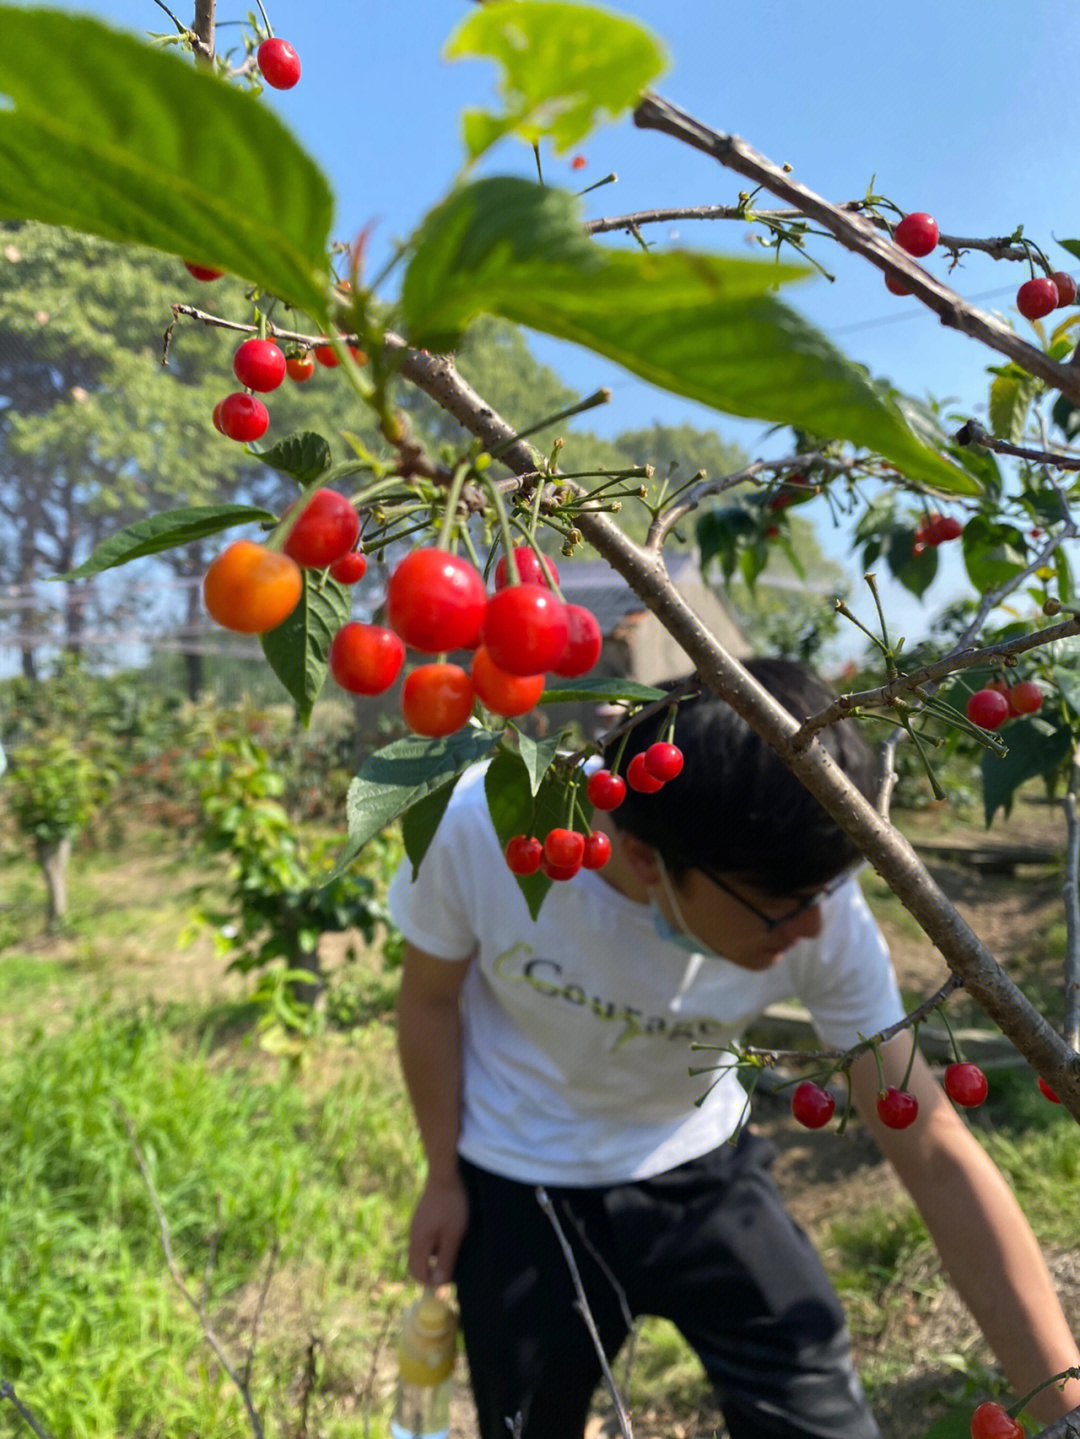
53, 856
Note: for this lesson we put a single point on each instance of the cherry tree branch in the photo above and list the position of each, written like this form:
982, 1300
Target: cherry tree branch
886, 695
1000, 248
887, 850
7, 1391
861, 236
972, 433
1071, 897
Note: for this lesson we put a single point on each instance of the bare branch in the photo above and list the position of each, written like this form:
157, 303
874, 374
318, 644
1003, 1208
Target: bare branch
860, 235
174, 1269
203, 30
546, 1205
972, 433
7, 1392
1071, 897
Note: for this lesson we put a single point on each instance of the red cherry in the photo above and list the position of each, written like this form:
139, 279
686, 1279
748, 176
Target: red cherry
597, 850
326, 355
991, 1421
663, 761
216, 417
502, 693
435, 601
326, 530
1047, 1092
559, 872
436, 699
988, 708
1036, 298
523, 854
897, 1108
896, 286
243, 417
259, 365
948, 528
917, 233
300, 368
1065, 286
811, 1105
531, 571
639, 778
349, 568
583, 643
202, 272
605, 790
1025, 697
966, 1085
525, 629
278, 62
578, 162
366, 659
564, 847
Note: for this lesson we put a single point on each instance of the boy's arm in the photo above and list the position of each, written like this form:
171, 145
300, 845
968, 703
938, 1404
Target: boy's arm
980, 1232
429, 1044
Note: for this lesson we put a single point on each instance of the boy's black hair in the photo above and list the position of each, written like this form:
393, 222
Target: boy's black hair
736, 809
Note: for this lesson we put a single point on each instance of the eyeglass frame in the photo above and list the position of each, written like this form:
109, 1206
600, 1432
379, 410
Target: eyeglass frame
772, 925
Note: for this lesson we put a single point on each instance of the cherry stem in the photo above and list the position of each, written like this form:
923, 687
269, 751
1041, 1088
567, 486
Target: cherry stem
911, 1056
545, 563
1021, 1404
591, 402
450, 517
880, 1071
506, 535
952, 1037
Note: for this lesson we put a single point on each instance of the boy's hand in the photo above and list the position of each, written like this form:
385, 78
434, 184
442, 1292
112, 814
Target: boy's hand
437, 1229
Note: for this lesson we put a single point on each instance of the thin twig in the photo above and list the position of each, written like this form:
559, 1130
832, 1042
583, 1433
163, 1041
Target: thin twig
256, 1318
886, 695
1001, 248
972, 433
1070, 894
546, 1205
365, 1396
8, 1392
620, 1292
174, 1269
858, 234
307, 1384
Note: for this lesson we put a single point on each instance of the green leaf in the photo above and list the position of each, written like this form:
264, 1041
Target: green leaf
699, 325
1011, 393
164, 532
536, 755
305, 456
718, 532
993, 553
601, 689
117, 138
393, 779
1035, 748
297, 650
421, 821
562, 65
516, 810
915, 572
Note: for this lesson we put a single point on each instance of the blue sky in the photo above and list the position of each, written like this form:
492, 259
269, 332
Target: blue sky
960, 110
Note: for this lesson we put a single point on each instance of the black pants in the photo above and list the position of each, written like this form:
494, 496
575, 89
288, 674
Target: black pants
708, 1246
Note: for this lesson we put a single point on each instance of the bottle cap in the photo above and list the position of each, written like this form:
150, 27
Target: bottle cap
428, 1341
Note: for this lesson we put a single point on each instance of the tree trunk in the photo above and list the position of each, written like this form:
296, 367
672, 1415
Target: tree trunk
53, 856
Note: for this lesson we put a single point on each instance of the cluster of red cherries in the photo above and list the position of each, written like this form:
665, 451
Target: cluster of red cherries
813, 1106
917, 233
261, 366
989, 708
565, 851
936, 530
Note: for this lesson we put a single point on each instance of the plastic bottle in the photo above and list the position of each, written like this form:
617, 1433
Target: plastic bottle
425, 1369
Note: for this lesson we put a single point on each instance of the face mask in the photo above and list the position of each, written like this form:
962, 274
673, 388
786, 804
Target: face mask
683, 937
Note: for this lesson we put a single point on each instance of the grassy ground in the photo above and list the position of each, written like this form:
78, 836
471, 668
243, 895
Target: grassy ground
286, 1185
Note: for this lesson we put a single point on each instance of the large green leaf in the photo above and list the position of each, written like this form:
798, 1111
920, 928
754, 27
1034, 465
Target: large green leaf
297, 650
1011, 393
600, 689
562, 65
993, 553
306, 456
117, 138
419, 823
393, 779
699, 325
515, 809
164, 532
1036, 747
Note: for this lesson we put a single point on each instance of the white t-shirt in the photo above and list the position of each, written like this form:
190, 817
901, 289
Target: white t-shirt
577, 1028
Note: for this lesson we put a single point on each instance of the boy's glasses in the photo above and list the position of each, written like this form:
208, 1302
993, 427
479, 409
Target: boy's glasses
770, 922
